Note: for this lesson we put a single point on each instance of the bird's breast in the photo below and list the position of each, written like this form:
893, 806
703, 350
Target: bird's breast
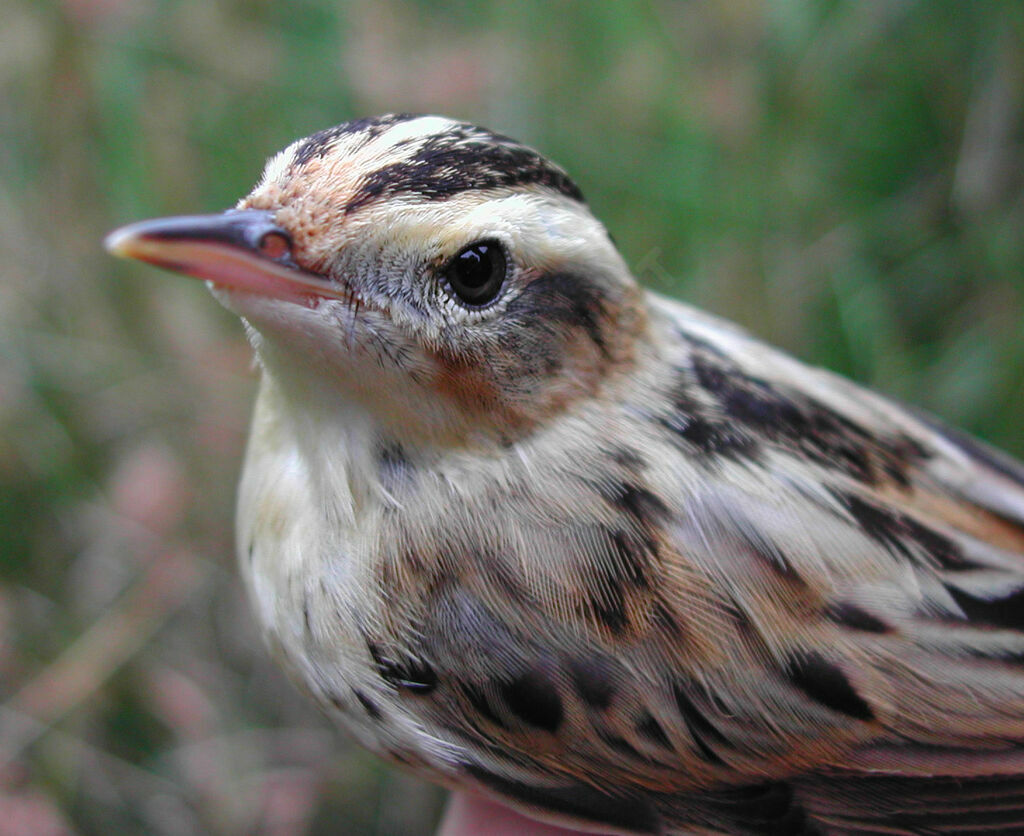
304, 539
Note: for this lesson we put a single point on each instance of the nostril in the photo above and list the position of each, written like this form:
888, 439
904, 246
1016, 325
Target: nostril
274, 245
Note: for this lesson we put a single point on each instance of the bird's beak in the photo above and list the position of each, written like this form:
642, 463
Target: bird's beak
241, 250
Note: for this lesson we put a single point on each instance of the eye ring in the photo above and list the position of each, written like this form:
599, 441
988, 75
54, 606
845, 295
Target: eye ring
477, 273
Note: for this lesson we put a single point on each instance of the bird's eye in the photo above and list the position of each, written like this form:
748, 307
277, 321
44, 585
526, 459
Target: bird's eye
477, 273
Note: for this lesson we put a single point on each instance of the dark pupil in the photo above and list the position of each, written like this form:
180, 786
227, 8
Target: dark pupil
474, 266
477, 273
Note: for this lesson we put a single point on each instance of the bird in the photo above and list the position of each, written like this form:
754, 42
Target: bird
536, 533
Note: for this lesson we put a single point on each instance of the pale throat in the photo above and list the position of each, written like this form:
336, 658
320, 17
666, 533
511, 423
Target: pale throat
332, 440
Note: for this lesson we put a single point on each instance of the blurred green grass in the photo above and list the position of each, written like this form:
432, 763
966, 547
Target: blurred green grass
844, 179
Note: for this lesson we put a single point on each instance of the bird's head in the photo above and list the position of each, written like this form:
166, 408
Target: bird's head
449, 280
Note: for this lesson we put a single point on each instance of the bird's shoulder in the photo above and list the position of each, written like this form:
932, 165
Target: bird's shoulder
816, 416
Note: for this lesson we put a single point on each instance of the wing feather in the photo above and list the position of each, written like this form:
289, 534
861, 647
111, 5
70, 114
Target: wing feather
927, 550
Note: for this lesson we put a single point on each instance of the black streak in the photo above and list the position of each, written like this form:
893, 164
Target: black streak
635, 548
410, 675
368, 704
823, 435
608, 603
631, 460
852, 616
625, 812
705, 435
901, 534
878, 523
318, 144
770, 553
533, 699
782, 415
631, 559
710, 438
1006, 611
701, 729
770, 809
481, 703
393, 465
463, 158
638, 502
666, 619
651, 729
593, 680
621, 745
938, 547
825, 683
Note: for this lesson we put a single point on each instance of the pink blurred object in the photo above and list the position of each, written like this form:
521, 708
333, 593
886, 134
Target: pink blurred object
149, 488
468, 815
289, 801
88, 13
30, 813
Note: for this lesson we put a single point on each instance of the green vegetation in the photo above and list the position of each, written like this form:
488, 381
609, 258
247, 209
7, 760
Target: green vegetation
844, 179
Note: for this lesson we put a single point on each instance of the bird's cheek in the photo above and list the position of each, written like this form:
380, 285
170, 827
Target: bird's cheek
476, 389
468, 387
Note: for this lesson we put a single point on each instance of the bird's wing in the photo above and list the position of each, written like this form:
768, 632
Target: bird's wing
879, 560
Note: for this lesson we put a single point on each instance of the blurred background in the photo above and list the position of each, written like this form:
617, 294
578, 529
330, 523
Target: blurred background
844, 179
